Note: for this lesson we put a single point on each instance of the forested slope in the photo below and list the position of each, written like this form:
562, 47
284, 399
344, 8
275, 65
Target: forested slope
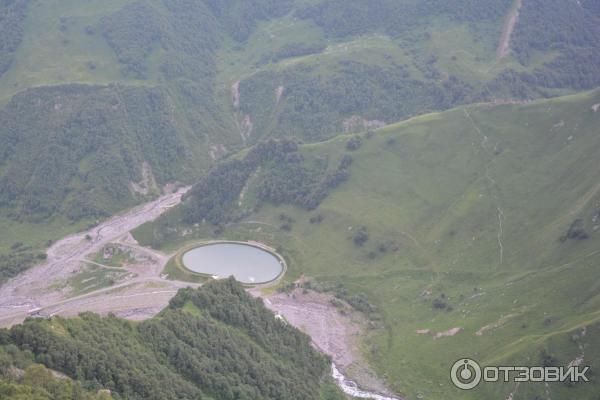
216, 342
232, 73
77, 150
11, 30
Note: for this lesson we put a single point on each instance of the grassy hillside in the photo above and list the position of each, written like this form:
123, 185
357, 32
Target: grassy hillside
211, 77
213, 343
484, 218
336, 65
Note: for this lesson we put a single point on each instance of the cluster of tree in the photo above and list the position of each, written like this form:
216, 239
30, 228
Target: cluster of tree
361, 236
12, 14
17, 260
215, 342
576, 231
187, 33
441, 303
239, 17
285, 178
339, 18
315, 106
38, 383
292, 182
354, 143
74, 149
287, 222
571, 32
214, 197
293, 50
133, 32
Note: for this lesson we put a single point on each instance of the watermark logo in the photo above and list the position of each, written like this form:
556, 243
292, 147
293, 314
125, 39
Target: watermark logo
466, 374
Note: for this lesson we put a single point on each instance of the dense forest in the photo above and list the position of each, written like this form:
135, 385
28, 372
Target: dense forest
283, 176
36, 382
213, 342
18, 259
12, 15
572, 30
339, 18
75, 150
314, 107
239, 17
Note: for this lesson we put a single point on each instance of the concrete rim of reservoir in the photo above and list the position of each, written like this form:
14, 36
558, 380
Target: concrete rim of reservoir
263, 248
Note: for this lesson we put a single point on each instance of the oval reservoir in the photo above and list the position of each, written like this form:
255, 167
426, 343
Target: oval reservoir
248, 264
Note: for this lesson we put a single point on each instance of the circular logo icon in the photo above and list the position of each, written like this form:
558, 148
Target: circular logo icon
465, 374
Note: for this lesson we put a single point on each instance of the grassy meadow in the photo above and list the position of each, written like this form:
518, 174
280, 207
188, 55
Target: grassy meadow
465, 209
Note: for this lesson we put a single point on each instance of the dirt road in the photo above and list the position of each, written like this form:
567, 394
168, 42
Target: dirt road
41, 290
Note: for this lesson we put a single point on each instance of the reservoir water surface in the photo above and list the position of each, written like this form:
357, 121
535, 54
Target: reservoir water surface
248, 264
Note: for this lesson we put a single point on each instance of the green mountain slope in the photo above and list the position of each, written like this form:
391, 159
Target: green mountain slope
233, 73
103, 102
88, 151
213, 343
11, 33
484, 218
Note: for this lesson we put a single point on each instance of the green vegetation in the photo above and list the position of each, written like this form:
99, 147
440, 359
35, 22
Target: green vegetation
92, 278
281, 173
175, 271
314, 108
573, 32
479, 217
39, 383
341, 19
464, 213
214, 342
19, 258
11, 30
113, 255
75, 150
96, 95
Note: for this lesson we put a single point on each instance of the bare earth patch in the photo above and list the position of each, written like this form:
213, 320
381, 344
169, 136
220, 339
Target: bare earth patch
335, 334
498, 324
448, 333
438, 335
41, 291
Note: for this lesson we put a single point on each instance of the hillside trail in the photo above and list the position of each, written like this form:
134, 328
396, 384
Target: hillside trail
42, 288
493, 186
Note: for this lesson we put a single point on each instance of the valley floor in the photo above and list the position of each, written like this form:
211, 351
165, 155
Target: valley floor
52, 288
142, 290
